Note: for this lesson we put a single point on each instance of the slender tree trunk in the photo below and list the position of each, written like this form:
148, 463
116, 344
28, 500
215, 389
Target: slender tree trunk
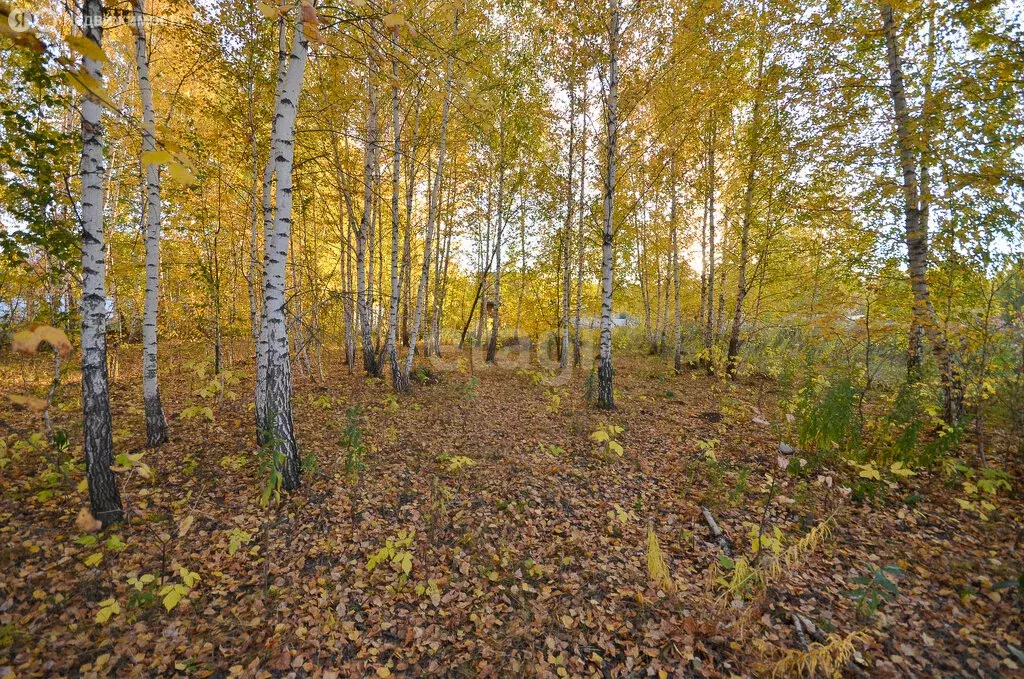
279, 372
365, 232
432, 206
916, 234
410, 186
916, 335
570, 190
156, 424
492, 345
485, 254
262, 347
104, 498
677, 355
398, 380
441, 271
732, 356
709, 328
605, 391
522, 271
703, 262
577, 351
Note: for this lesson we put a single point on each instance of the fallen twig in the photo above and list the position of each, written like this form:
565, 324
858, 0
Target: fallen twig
719, 536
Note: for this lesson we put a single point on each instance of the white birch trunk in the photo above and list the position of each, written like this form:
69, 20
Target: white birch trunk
605, 391
156, 424
432, 205
104, 498
398, 379
268, 237
279, 373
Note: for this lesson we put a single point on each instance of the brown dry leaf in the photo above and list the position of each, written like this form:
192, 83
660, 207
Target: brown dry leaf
33, 403
55, 337
86, 522
25, 342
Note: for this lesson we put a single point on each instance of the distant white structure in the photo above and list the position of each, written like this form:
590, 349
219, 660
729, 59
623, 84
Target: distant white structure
619, 320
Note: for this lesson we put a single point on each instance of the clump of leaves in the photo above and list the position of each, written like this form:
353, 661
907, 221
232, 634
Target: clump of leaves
271, 460
469, 388
818, 660
128, 462
396, 552
455, 463
657, 569
606, 435
353, 445
236, 538
197, 410
554, 403
981, 488
174, 592
876, 588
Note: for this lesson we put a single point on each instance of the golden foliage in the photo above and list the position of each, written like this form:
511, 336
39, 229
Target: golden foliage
657, 569
826, 659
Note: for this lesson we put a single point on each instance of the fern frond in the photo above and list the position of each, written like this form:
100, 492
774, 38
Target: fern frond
800, 549
657, 569
828, 659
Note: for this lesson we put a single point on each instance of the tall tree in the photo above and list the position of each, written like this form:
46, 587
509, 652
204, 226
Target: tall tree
156, 424
605, 391
104, 498
278, 380
398, 378
432, 201
915, 230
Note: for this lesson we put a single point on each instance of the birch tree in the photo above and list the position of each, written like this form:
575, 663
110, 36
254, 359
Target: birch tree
915, 231
156, 424
278, 379
398, 377
732, 354
605, 391
432, 203
104, 498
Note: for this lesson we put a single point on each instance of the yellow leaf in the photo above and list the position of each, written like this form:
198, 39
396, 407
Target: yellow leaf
181, 174
86, 47
615, 447
600, 436
108, 607
394, 20
269, 11
156, 157
184, 525
172, 599
25, 342
94, 559
898, 469
383, 672
88, 86
869, 472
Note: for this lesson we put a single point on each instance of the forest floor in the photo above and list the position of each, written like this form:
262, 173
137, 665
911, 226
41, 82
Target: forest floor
526, 560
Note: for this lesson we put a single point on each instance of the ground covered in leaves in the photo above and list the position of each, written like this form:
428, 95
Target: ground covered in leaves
487, 534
